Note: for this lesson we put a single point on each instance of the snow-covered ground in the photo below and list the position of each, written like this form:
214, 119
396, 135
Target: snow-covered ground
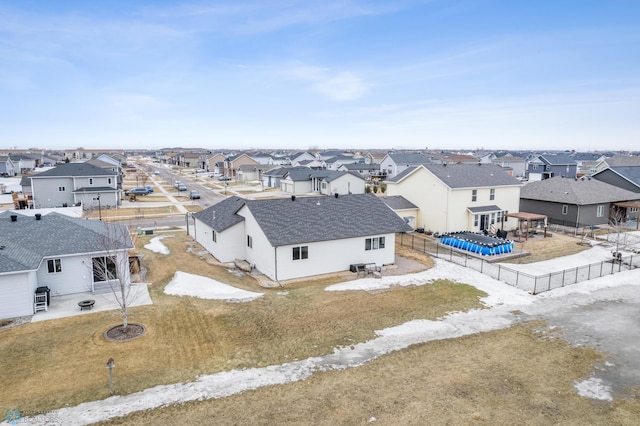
502, 300
156, 245
185, 284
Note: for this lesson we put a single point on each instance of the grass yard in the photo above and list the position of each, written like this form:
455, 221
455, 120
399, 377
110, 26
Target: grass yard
548, 248
52, 364
517, 376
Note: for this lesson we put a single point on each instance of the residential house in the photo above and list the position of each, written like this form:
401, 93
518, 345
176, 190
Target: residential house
515, 166
374, 157
334, 163
625, 177
75, 183
618, 161
458, 197
395, 163
273, 178
460, 159
367, 171
302, 156
305, 181
7, 166
545, 166
252, 172
403, 208
290, 238
215, 163
575, 202
232, 164
55, 251
25, 162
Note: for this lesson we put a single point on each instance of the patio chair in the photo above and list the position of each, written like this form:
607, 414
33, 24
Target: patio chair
40, 302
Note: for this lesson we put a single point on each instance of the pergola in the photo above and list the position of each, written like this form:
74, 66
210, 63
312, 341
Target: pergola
528, 218
630, 204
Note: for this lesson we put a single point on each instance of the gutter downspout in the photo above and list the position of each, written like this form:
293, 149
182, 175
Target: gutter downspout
578, 217
275, 261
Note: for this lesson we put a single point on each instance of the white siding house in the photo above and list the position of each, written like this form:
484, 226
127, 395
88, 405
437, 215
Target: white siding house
54, 251
301, 236
458, 197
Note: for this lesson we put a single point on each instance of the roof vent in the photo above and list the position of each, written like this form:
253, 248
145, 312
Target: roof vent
14, 217
38, 216
293, 198
336, 195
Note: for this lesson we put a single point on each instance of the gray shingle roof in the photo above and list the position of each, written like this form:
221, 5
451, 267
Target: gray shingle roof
407, 159
581, 191
558, 159
457, 176
74, 169
398, 202
472, 175
222, 215
483, 209
27, 241
310, 219
622, 161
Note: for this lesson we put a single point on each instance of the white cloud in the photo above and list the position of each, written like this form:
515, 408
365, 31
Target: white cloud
335, 85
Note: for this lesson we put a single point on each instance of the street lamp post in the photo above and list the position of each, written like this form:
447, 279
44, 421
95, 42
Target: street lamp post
99, 206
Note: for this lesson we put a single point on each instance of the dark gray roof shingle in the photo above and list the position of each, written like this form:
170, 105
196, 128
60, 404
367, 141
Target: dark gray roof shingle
309, 219
583, 191
398, 202
74, 169
27, 241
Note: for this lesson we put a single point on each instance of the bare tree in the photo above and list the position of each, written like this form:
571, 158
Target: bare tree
617, 222
110, 265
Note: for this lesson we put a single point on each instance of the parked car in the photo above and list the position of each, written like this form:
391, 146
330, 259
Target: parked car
182, 187
224, 178
177, 184
194, 195
137, 191
148, 188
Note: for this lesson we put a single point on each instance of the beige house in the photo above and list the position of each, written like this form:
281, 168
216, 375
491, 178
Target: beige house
232, 164
459, 197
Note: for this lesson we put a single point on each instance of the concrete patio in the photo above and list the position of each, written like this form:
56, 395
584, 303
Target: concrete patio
67, 306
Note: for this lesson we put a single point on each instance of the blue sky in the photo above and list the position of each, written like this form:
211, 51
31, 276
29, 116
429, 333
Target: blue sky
448, 74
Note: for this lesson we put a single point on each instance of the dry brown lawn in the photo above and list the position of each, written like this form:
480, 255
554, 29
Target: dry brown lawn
521, 375
517, 376
541, 248
51, 364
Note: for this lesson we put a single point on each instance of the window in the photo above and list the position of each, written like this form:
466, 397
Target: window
475, 220
104, 269
61, 189
493, 218
374, 243
109, 181
213, 236
492, 194
249, 241
600, 211
54, 266
90, 181
300, 252
565, 209
474, 195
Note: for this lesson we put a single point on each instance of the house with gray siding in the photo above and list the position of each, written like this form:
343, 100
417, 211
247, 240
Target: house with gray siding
574, 202
74, 184
625, 177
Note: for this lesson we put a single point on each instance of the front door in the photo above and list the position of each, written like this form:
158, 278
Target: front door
484, 222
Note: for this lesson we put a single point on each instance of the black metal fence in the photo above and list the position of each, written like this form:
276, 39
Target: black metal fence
534, 284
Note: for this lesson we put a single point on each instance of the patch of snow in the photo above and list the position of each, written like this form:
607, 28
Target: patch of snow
185, 284
156, 245
594, 388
